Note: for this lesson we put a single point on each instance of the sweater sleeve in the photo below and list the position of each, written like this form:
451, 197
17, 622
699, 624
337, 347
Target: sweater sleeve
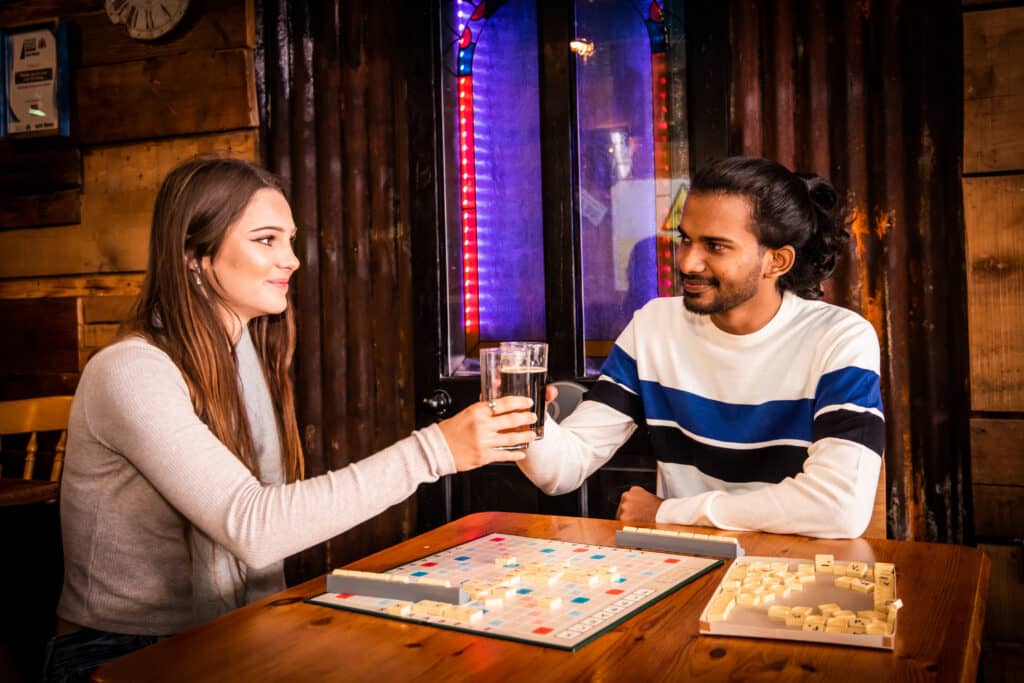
588, 438
572, 451
137, 404
833, 496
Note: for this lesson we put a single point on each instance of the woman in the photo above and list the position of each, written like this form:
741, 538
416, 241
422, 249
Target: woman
182, 490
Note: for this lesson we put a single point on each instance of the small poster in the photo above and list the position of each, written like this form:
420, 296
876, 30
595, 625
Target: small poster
36, 77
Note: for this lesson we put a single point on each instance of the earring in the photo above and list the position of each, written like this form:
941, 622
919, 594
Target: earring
198, 278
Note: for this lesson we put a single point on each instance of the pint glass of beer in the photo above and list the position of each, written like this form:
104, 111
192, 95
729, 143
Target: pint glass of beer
516, 369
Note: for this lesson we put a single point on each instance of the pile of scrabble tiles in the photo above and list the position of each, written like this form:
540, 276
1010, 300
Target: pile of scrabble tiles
762, 583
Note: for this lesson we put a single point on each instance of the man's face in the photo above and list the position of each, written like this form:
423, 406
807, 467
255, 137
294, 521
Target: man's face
719, 257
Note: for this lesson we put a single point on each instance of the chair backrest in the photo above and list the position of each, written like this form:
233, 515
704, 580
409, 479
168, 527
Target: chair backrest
880, 511
33, 415
569, 396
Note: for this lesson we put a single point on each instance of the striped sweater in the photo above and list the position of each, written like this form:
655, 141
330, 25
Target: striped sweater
779, 430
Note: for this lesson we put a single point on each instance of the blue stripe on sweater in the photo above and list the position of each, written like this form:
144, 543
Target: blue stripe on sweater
848, 385
730, 422
744, 423
621, 367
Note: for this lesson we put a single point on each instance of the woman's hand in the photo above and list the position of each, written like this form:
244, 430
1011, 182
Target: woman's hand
476, 435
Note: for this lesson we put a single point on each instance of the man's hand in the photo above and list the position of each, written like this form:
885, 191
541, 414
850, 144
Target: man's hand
638, 505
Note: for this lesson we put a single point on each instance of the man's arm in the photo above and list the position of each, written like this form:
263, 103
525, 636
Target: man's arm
831, 498
572, 451
588, 438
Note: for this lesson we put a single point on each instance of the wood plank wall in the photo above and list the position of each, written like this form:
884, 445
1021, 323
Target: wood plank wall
993, 190
864, 93
334, 118
75, 213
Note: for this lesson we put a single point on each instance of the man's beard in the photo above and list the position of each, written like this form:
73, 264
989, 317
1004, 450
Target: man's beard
723, 299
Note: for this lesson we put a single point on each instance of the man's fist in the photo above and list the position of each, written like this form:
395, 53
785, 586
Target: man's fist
638, 505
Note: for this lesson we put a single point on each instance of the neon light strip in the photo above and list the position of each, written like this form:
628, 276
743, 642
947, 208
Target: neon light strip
467, 177
662, 171
467, 192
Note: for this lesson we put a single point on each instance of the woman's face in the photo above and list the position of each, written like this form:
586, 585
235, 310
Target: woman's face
255, 261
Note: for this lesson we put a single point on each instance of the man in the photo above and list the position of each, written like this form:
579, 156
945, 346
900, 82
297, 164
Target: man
762, 403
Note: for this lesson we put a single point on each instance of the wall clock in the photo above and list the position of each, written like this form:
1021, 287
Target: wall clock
146, 19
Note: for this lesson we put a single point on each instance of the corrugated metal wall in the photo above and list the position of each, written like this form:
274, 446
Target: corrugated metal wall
868, 93
332, 115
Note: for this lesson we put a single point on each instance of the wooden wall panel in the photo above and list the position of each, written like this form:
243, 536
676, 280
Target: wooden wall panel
61, 322
998, 511
100, 323
64, 249
37, 10
106, 309
40, 182
28, 166
1006, 592
124, 168
189, 93
39, 349
120, 284
92, 338
56, 208
161, 96
993, 90
997, 451
120, 184
994, 220
206, 26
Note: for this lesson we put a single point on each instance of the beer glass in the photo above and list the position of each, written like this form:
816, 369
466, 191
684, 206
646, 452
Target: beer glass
516, 369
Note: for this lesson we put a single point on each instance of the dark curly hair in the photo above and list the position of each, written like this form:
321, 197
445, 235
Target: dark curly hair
798, 209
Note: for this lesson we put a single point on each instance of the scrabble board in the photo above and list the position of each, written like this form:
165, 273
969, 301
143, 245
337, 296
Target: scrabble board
564, 613
741, 618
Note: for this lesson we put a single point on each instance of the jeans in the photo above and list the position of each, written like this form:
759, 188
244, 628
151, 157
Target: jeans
72, 657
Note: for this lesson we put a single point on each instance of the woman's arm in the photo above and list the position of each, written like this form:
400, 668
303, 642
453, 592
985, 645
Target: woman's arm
137, 404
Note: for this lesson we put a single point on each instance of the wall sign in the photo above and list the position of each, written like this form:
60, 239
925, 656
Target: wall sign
36, 80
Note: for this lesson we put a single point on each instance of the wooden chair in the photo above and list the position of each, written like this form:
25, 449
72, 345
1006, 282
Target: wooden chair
30, 416
879, 513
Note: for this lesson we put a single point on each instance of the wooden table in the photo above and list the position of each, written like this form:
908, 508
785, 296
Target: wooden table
283, 639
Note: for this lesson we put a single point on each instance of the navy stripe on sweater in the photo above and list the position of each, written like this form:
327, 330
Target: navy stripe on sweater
769, 464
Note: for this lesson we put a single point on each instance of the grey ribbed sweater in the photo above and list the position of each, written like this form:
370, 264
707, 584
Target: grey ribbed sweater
140, 463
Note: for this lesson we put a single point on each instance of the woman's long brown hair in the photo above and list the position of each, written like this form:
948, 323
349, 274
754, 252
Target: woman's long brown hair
180, 313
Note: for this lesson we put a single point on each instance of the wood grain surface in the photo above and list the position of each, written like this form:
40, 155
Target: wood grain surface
283, 638
994, 222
